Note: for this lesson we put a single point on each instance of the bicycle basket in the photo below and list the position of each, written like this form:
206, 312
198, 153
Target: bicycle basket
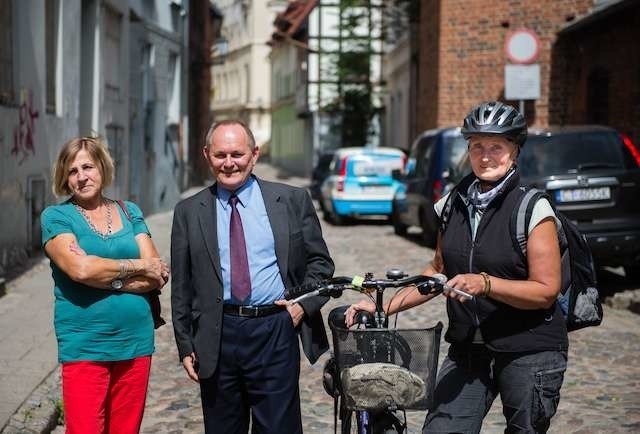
387, 368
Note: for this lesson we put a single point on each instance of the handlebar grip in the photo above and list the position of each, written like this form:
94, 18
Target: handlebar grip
324, 287
297, 291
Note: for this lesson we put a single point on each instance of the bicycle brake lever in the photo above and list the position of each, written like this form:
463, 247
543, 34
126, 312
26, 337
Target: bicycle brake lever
435, 288
466, 295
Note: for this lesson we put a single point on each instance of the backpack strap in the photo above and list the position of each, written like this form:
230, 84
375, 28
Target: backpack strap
125, 210
521, 218
446, 210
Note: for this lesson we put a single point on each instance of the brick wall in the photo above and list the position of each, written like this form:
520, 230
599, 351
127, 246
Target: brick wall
467, 64
428, 73
608, 45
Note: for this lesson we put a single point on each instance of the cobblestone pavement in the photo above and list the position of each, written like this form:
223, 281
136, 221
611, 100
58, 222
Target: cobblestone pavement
601, 392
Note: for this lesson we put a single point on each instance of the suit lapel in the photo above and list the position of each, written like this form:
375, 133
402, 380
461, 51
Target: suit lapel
208, 224
279, 220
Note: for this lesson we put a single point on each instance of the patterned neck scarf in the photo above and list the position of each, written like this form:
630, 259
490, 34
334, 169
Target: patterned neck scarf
481, 200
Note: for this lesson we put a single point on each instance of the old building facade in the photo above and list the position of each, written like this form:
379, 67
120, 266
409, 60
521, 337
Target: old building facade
588, 60
69, 68
241, 80
462, 56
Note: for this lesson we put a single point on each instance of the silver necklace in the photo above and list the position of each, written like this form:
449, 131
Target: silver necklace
93, 227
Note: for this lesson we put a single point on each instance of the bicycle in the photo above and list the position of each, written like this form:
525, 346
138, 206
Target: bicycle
377, 372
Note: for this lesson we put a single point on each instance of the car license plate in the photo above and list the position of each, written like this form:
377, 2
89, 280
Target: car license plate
583, 194
376, 189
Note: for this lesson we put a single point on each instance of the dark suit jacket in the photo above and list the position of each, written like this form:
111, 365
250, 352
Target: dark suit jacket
196, 284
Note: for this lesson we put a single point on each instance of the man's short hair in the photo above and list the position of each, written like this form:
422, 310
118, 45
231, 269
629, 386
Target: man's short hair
216, 125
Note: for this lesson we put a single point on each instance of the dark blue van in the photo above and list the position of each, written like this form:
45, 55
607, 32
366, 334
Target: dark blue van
436, 163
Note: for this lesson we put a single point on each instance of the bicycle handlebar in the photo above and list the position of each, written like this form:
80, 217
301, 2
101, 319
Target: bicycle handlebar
335, 286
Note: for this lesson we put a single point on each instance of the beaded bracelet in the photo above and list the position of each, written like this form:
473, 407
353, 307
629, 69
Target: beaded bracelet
487, 284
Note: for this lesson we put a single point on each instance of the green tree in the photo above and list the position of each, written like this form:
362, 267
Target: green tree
353, 104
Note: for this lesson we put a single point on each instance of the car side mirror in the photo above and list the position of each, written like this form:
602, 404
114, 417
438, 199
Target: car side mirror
447, 173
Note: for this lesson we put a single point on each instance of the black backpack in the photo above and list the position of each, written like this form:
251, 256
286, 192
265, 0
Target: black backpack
579, 297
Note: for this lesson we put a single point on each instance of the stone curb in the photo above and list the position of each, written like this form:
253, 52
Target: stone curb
40, 412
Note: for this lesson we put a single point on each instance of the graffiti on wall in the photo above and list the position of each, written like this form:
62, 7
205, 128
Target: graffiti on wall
24, 132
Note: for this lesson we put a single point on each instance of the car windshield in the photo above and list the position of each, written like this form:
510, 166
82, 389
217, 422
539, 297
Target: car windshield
570, 153
455, 151
376, 164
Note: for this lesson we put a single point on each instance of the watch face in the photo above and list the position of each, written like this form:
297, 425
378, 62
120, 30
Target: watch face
116, 284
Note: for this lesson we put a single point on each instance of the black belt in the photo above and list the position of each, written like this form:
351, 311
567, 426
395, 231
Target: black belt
252, 311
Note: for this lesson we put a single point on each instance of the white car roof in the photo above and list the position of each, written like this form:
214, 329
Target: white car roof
344, 152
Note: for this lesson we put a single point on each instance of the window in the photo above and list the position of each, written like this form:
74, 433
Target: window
423, 156
247, 84
111, 53
176, 14
51, 10
173, 92
115, 134
598, 96
6, 52
571, 153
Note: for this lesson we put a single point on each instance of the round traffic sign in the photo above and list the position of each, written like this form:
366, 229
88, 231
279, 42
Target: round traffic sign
522, 46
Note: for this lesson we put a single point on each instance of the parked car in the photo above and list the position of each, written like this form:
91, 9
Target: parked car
592, 174
320, 172
435, 164
360, 183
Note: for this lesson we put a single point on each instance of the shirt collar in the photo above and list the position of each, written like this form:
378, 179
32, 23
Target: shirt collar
243, 193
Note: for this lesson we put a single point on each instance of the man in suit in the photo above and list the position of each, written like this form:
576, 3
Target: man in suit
235, 247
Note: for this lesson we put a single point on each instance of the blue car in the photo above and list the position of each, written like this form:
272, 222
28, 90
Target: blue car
360, 183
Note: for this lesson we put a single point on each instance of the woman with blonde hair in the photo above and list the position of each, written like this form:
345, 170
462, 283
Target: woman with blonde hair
104, 266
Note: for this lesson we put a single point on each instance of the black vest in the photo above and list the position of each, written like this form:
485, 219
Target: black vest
504, 327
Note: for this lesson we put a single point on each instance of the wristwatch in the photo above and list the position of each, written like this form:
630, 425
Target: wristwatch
117, 284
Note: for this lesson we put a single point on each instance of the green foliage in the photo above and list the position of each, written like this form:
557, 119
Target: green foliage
60, 411
354, 67
347, 4
353, 105
27, 415
356, 116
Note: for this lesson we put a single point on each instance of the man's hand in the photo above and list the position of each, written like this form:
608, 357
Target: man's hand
189, 362
295, 310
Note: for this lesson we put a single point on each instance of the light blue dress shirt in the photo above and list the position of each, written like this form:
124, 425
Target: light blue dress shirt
267, 285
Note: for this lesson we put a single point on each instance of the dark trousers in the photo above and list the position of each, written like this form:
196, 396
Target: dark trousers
257, 375
472, 376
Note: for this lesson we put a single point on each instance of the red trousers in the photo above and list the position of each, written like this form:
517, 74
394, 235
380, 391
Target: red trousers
105, 397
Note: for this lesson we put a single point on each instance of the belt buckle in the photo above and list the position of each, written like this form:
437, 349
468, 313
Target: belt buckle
250, 311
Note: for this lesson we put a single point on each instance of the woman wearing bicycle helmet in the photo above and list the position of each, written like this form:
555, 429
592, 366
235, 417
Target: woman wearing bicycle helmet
511, 339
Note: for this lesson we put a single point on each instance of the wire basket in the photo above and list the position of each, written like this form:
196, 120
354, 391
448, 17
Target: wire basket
386, 368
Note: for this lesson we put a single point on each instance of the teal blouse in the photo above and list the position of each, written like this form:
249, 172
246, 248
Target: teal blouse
94, 324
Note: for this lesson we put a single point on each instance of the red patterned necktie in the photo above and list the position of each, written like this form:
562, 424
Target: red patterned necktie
240, 276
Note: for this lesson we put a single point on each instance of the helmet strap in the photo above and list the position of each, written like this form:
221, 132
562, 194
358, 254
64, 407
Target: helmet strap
488, 185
